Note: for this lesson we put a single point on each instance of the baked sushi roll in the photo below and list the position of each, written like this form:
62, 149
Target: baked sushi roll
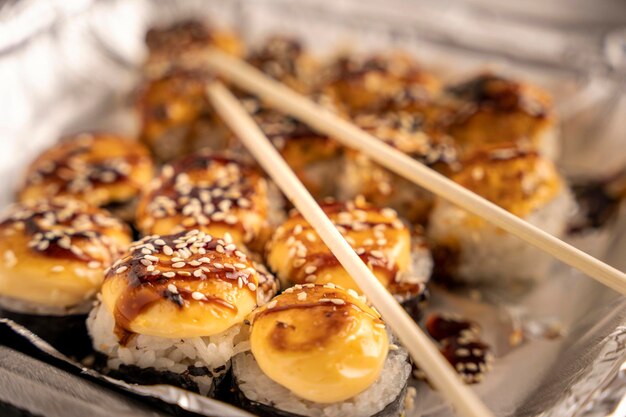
286, 60
406, 132
171, 309
101, 169
491, 109
399, 259
302, 344
52, 260
166, 44
314, 157
468, 249
214, 193
174, 114
381, 82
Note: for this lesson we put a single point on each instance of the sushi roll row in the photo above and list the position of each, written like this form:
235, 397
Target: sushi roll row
195, 301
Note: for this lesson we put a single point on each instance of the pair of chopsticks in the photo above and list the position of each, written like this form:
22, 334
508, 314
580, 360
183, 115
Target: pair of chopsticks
422, 350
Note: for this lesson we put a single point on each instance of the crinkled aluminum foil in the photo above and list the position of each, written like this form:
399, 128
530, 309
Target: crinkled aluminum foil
68, 66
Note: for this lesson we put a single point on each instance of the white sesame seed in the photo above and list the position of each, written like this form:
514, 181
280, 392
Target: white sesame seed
297, 229
218, 265
352, 293
94, 264
219, 248
151, 258
330, 285
10, 260
197, 273
121, 269
377, 254
462, 352
197, 295
145, 262
172, 288
271, 304
310, 269
301, 296
169, 274
57, 268
252, 286
178, 265
337, 301
168, 250
240, 266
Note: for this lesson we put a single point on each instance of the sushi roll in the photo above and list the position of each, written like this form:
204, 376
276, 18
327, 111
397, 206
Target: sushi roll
52, 259
212, 192
320, 351
406, 132
380, 82
401, 261
468, 249
490, 109
101, 169
169, 43
170, 309
174, 114
314, 157
286, 60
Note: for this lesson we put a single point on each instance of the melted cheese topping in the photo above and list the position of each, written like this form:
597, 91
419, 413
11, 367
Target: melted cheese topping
55, 253
516, 179
184, 285
96, 168
321, 342
381, 82
491, 109
298, 255
208, 192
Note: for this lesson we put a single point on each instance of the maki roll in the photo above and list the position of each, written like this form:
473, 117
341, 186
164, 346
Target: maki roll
171, 308
169, 43
400, 260
408, 133
286, 60
490, 109
102, 169
314, 157
174, 115
319, 350
212, 192
468, 249
53, 257
381, 82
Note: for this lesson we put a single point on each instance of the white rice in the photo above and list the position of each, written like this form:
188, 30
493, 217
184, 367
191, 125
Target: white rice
163, 354
256, 386
276, 205
421, 265
490, 255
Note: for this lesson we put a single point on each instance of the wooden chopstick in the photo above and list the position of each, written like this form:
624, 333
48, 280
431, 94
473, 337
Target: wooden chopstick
423, 351
288, 101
